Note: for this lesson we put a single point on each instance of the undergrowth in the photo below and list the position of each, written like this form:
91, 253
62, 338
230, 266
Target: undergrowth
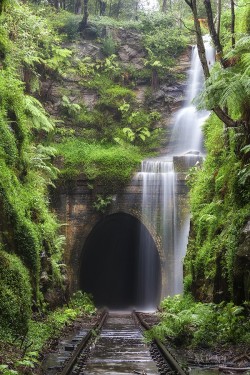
22, 351
220, 210
189, 323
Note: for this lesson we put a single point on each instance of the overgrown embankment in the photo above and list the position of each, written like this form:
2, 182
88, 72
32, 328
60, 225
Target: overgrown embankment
218, 258
30, 244
215, 308
217, 262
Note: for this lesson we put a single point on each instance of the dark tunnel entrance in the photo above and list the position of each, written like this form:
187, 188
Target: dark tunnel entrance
120, 264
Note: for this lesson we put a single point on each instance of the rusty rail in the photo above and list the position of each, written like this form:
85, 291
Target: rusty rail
172, 362
92, 332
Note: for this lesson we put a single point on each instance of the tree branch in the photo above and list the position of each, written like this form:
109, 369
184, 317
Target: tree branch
189, 3
222, 115
183, 23
228, 121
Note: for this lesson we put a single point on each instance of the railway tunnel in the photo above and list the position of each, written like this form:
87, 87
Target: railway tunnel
120, 264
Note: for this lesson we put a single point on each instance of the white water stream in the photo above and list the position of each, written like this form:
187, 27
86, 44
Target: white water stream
160, 204
187, 130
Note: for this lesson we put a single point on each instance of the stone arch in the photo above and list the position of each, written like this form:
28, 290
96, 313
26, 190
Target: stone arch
110, 263
137, 213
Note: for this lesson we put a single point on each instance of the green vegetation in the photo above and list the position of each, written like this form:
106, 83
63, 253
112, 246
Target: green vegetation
163, 39
185, 322
41, 330
217, 261
44, 64
109, 165
105, 142
220, 207
29, 232
15, 294
220, 189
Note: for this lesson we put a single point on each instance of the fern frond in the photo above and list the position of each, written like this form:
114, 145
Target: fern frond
234, 90
245, 62
37, 114
40, 160
242, 46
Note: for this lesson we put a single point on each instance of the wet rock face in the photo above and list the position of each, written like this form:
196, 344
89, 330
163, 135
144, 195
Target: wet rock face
242, 267
131, 51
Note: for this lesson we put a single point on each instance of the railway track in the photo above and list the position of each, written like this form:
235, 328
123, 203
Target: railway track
115, 345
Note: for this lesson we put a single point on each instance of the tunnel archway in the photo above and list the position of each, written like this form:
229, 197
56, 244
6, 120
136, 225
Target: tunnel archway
120, 264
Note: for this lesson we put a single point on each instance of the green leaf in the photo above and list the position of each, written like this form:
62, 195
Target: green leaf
142, 137
37, 114
3, 367
246, 149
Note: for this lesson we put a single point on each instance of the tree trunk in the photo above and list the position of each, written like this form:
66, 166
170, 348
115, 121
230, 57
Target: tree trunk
155, 79
56, 4
213, 33
83, 24
102, 5
110, 8
118, 9
223, 116
200, 44
218, 17
233, 23
136, 10
164, 6
78, 7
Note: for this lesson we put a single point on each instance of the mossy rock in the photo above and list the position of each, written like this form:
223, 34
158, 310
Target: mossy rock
15, 294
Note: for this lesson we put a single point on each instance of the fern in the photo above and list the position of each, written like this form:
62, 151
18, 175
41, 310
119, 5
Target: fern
36, 113
241, 47
40, 160
230, 87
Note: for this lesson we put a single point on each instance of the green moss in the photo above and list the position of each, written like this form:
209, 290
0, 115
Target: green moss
220, 212
107, 164
8, 145
27, 228
15, 294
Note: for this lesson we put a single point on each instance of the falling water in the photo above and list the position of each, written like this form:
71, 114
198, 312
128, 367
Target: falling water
187, 132
160, 205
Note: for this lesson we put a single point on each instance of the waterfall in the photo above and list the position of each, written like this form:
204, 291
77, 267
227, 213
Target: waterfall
160, 204
187, 131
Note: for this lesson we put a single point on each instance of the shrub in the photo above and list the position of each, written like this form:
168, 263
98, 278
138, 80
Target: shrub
201, 324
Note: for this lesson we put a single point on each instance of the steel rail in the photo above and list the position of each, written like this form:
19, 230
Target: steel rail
164, 351
93, 331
